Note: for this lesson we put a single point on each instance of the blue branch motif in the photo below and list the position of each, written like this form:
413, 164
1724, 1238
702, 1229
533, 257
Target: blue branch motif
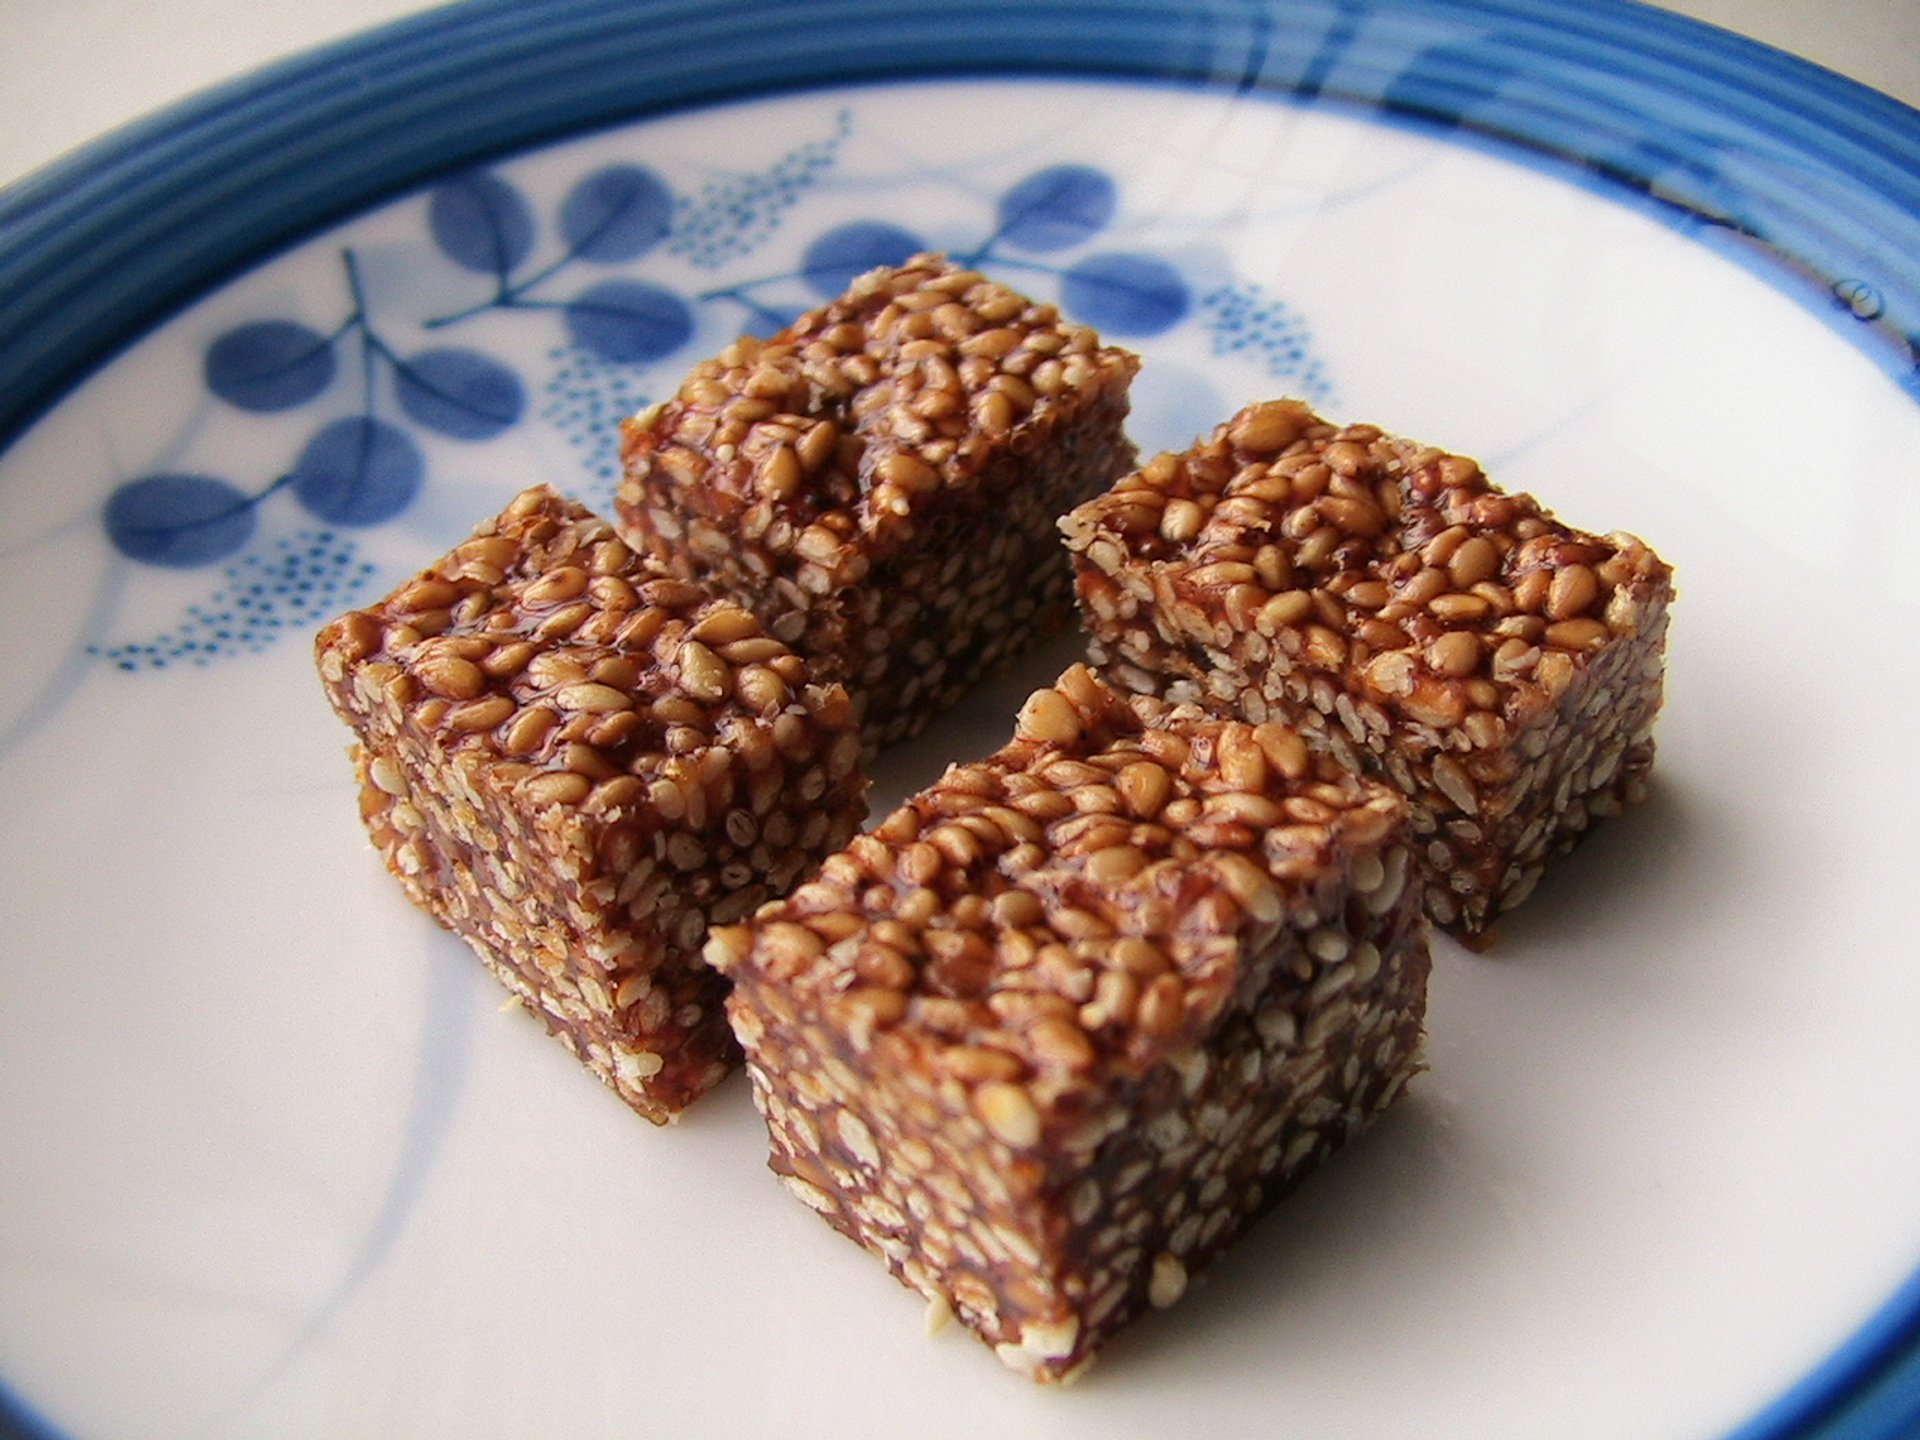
366, 467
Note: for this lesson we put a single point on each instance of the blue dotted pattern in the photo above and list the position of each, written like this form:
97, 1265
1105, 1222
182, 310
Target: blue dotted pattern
296, 584
734, 216
1245, 319
585, 400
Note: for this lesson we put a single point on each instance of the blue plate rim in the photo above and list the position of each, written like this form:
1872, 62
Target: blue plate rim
1714, 134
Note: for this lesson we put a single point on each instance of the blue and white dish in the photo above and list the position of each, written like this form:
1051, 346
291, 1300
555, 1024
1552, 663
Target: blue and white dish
271, 1163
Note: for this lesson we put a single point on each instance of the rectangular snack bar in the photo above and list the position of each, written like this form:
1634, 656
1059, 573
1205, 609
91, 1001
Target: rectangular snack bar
577, 765
1049, 1037
1502, 669
880, 482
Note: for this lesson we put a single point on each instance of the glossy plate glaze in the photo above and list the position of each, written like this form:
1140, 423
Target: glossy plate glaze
270, 1161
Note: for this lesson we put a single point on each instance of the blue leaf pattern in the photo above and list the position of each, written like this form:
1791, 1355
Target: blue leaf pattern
270, 365
1057, 207
616, 214
626, 336
461, 393
178, 521
358, 471
481, 223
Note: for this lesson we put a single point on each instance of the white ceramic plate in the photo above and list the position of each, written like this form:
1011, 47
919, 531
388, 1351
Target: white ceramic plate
271, 1163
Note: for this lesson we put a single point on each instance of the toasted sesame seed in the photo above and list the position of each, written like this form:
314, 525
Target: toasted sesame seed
1049, 718
556, 787
1451, 777
591, 697
1580, 634
1571, 592
1167, 1281
1289, 607
1455, 653
1328, 945
1009, 1113
1266, 429
1477, 559
451, 676
478, 715
564, 583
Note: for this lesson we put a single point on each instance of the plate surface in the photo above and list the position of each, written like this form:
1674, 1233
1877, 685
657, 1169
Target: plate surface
270, 1161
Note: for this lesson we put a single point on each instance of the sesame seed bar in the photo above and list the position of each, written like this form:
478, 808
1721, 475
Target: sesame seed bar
577, 765
1500, 668
1056, 1030
880, 481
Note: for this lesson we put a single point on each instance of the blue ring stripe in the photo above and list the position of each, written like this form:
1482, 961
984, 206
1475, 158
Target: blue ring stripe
1853, 231
1868, 1389
97, 249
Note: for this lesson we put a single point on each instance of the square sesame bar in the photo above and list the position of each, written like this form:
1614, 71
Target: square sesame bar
577, 765
1053, 1033
1500, 668
880, 481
